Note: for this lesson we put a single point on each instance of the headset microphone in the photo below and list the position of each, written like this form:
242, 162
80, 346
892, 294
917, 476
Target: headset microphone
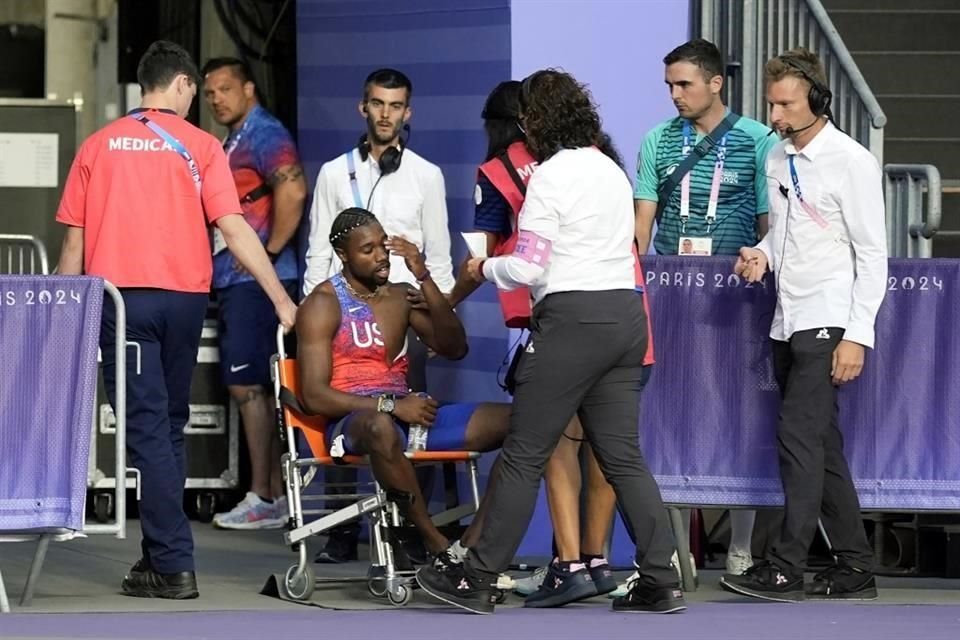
790, 131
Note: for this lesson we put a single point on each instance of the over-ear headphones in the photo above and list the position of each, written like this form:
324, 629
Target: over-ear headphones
525, 87
390, 158
820, 95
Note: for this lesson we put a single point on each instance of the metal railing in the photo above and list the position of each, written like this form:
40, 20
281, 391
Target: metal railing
22, 255
913, 194
750, 32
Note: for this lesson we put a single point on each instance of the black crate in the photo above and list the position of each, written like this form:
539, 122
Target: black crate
211, 437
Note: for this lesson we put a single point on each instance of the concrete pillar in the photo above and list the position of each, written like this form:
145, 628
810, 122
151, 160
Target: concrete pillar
72, 35
214, 42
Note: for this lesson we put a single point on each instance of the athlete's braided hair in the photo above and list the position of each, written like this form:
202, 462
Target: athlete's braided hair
347, 221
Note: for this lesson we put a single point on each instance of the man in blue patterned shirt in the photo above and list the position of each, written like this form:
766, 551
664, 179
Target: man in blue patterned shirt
269, 180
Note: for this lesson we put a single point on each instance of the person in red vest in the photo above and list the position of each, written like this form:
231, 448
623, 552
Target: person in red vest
499, 196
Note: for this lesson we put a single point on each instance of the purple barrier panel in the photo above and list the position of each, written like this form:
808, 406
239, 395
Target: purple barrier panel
49, 331
709, 414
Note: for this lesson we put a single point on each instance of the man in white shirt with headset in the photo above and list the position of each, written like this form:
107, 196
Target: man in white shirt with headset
827, 249
383, 176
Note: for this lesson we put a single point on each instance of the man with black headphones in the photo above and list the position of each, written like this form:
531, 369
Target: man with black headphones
408, 197
382, 175
827, 248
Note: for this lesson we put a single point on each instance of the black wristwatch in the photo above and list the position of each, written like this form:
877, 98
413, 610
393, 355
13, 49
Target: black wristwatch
273, 256
386, 403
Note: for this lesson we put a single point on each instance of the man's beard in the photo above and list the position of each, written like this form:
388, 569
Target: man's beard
232, 119
373, 134
232, 122
370, 282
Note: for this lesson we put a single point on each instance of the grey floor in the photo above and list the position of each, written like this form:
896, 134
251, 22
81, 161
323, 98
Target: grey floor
83, 576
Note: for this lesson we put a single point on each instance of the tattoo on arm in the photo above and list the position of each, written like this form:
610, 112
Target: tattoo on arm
286, 173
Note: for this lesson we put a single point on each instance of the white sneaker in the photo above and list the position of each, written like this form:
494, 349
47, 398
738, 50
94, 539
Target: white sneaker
675, 559
506, 583
282, 508
530, 584
738, 561
253, 513
624, 587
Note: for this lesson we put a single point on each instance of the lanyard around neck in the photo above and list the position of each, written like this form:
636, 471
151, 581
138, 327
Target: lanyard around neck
711, 215
808, 208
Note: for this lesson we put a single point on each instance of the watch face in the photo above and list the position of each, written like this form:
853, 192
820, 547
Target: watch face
387, 405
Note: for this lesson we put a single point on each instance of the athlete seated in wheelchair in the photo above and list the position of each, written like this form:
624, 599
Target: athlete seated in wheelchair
352, 366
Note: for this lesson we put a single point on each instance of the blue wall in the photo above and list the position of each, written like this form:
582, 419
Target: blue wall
454, 54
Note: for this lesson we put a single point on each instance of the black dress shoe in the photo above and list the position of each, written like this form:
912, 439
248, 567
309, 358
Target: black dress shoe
150, 584
140, 566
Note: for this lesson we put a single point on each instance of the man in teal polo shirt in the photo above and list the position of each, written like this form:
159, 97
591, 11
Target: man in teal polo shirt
716, 224
719, 205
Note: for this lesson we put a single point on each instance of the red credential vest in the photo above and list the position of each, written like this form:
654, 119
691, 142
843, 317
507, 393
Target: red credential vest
509, 173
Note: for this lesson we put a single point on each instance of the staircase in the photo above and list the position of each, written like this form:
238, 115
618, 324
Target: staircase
909, 53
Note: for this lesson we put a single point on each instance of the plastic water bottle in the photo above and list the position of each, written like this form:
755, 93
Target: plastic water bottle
416, 438
417, 434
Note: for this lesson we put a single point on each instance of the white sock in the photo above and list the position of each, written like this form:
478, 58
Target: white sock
458, 551
741, 529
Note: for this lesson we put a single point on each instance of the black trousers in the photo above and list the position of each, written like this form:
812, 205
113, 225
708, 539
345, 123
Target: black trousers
816, 478
584, 356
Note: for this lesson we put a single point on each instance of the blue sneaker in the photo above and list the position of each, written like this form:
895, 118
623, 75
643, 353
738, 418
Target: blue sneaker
563, 583
603, 580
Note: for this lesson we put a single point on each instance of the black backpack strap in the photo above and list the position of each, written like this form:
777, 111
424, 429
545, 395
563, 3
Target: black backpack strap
263, 190
701, 149
513, 173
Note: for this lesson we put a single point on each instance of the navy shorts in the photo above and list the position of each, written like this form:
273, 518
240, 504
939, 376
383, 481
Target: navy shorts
448, 433
248, 332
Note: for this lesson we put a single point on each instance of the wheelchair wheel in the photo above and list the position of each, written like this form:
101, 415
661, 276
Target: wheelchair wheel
300, 587
400, 596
